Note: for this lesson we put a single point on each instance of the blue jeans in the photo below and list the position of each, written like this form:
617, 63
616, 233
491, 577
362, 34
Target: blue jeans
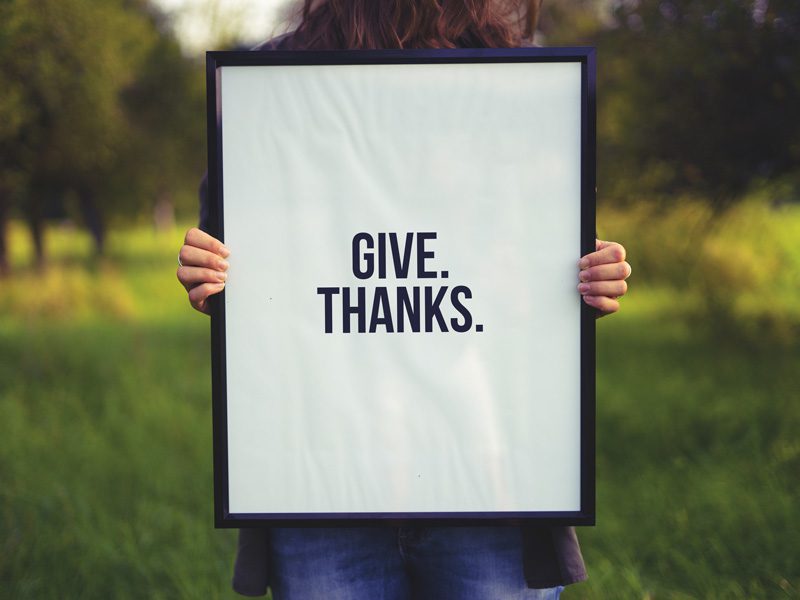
419, 563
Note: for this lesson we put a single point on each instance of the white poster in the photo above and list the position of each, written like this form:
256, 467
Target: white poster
402, 328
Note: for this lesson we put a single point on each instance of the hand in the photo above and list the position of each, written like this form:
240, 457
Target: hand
203, 266
602, 276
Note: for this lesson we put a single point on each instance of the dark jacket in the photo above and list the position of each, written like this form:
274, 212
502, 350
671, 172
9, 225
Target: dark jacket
551, 555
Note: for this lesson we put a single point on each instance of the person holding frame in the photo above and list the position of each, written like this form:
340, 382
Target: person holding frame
528, 562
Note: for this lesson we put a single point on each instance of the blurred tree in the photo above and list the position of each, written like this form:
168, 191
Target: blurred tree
69, 59
166, 145
74, 125
15, 117
696, 96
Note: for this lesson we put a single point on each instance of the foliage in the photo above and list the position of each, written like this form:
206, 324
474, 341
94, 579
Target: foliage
695, 96
105, 112
69, 60
736, 273
166, 144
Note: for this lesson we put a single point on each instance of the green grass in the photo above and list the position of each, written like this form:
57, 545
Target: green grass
105, 417
698, 462
105, 459
106, 464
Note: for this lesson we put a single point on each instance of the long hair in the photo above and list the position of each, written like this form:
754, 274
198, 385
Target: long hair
377, 24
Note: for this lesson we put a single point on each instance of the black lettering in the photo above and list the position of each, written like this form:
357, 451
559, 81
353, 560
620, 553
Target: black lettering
382, 256
328, 292
369, 258
401, 265
432, 308
381, 305
457, 304
407, 306
422, 254
359, 309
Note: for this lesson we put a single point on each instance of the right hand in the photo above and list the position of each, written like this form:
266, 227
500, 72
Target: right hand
203, 267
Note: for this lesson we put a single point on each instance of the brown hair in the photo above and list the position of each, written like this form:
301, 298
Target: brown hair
377, 24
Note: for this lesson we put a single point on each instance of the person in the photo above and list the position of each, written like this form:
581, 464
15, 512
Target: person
371, 563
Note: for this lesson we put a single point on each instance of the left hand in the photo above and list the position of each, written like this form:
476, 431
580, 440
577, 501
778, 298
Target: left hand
602, 276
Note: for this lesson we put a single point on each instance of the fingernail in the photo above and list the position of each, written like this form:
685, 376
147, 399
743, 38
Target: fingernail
589, 300
583, 263
583, 288
224, 252
583, 275
222, 276
223, 264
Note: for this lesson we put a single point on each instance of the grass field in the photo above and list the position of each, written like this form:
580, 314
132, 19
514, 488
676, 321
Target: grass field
105, 459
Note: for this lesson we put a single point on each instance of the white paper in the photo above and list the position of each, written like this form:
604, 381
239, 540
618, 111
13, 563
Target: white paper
486, 156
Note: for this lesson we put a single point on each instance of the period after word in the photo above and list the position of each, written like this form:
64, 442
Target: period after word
412, 304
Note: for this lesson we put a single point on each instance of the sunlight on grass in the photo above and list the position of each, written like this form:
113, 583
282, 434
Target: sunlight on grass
135, 281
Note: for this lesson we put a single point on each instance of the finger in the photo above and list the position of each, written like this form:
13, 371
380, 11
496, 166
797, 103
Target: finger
198, 296
600, 244
612, 289
192, 256
602, 303
191, 276
606, 272
200, 239
611, 252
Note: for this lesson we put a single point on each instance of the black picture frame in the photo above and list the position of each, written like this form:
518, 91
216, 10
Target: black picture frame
215, 61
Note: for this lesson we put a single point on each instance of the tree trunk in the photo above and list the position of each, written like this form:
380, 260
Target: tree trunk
5, 267
36, 225
164, 212
33, 209
93, 220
